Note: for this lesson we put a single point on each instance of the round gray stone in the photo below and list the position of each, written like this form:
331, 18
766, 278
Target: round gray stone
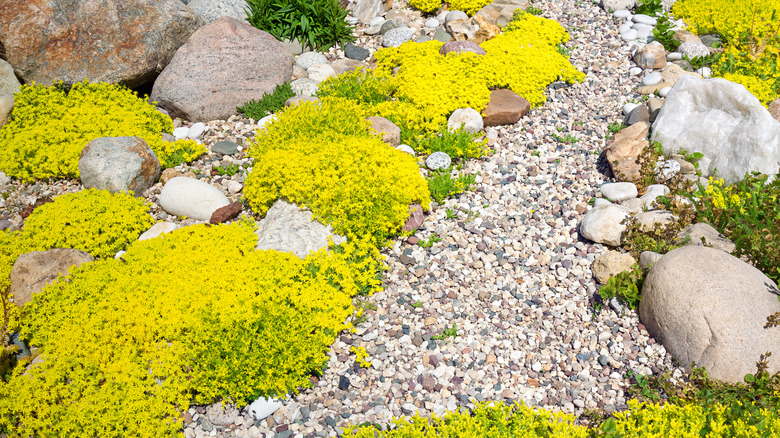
438, 160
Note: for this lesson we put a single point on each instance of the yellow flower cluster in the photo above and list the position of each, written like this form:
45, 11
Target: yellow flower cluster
640, 421
149, 341
322, 156
470, 7
752, 31
360, 356
50, 127
725, 196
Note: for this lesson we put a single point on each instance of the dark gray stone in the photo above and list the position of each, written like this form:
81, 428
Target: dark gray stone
357, 53
639, 114
388, 25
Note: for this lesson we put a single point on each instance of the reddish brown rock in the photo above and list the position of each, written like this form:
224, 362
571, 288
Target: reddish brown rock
462, 46
223, 65
416, 218
33, 271
224, 214
117, 41
623, 151
505, 108
774, 109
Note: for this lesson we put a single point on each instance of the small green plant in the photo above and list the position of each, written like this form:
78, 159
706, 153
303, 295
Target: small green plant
568, 138
703, 61
649, 7
227, 169
625, 285
417, 304
451, 213
457, 144
442, 184
563, 50
692, 158
664, 33
534, 11
616, 126
318, 24
268, 104
642, 387
431, 240
451, 332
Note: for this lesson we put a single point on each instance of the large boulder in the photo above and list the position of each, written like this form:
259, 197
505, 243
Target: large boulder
118, 164
708, 307
505, 108
33, 271
212, 10
723, 121
8, 86
117, 41
289, 228
223, 65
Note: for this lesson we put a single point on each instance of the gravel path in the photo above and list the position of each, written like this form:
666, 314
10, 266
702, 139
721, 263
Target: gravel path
510, 273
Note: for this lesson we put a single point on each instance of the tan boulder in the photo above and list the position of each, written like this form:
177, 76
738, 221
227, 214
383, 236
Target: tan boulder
610, 264
35, 270
652, 56
624, 150
390, 132
683, 36
709, 308
486, 30
774, 109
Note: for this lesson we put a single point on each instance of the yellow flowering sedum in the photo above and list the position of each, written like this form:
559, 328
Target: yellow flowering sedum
193, 316
470, 7
50, 127
322, 156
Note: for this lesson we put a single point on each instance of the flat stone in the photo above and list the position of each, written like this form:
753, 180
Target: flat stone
35, 270
289, 228
619, 192
225, 147
701, 234
505, 108
605, 224
610, 264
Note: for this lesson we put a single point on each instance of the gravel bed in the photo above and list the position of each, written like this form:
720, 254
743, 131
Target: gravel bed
510, 272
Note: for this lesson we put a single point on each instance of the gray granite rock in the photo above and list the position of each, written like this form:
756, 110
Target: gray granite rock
289, 228
119, 164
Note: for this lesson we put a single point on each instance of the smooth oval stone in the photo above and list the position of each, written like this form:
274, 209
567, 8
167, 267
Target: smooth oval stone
622, 13
663, 92
644, 19
674, 56
629, 35
196, 130
627, 108
634, 71
652, 78
180, 133
438, 160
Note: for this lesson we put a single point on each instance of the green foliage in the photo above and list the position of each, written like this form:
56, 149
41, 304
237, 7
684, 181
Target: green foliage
534, 11
616, 126
664, 32
747, 213
488, 420
451, 332
150, 339
268, 104
698, 62
649, 7
457, 144
317, 23
50, 127
431, 240
322, 156
442, 184
568, 138
227, 169
626, 285
451, 213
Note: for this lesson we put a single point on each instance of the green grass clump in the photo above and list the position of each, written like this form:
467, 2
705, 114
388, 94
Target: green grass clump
50, 127
128, 344
318, 24
268, 104
442, 184
457, 144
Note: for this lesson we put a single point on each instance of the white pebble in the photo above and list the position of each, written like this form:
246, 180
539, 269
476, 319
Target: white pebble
627, 108
634, 71
645, 19
622, 13
625, 27
629, 35
704, 71
180, 133
674, 56
196, 130
664, 91
432, 23
652, 78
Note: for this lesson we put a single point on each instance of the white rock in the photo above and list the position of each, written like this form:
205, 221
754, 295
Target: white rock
438, 160
625, 27
629, 35
180, 133
605, 224
618, 192
643, 34
667, 169
158, 229
641, 27
674, 56
263, 407
469, 118
652, 78
308, 59
304, 87
189, 197
653, 191
627, 108
432, 23
704, 71
663, 92
196, 130
234, 187
644, 19
320, 72
265, 120
289, 228
598, 202
693, 49
724, 122
406, 148
634, 71
622, 13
